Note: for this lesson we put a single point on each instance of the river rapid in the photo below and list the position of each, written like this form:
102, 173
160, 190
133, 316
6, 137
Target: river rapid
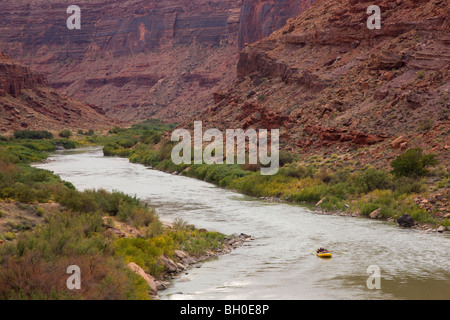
280, 263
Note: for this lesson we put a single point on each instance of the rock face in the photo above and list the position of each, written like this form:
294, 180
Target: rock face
27, 102
405, 221
332, 85
140, 58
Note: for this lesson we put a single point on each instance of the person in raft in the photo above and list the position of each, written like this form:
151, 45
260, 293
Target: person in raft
322, 250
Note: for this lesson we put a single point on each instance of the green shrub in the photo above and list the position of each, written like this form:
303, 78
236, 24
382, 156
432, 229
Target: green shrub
147, 252
113, 149
126, 143
324, 175
40, 212
67, 144
165, 152
39, 145
151, 137
341, 176
25, 194
90, 132
17, 153
137, 216
76, 201
34, 265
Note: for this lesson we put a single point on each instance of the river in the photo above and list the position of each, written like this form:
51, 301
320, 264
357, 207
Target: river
280, 263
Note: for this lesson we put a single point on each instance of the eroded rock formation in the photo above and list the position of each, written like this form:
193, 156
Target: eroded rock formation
139, 58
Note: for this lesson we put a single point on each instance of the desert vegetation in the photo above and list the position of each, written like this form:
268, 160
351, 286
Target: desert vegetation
38, 247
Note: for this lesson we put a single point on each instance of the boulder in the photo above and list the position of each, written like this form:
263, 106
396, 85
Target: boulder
375, 214
168, 263
406, 221
441, 229
148, 278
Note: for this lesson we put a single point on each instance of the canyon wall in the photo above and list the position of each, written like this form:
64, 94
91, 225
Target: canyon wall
26, 102
332, 85
139, 58
15, 77
260, 18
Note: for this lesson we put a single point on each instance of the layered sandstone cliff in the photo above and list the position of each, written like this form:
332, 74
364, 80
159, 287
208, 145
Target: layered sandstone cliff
333, 85
260, 18
26, 102
139, 58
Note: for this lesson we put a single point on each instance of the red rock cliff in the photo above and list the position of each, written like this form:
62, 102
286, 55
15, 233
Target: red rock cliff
139, 58
15, 77
331, 84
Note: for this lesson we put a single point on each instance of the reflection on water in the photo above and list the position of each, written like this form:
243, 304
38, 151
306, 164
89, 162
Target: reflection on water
280, 263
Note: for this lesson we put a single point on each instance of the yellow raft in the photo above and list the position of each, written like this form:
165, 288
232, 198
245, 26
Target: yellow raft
324, 255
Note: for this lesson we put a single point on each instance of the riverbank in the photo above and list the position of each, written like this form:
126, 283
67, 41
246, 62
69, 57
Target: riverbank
47, 223
367, 192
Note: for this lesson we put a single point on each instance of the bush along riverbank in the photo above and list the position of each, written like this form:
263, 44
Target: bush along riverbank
118, 242
415, 188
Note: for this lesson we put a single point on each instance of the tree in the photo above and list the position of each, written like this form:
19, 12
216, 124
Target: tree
65, 134
36, 135
413, 163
